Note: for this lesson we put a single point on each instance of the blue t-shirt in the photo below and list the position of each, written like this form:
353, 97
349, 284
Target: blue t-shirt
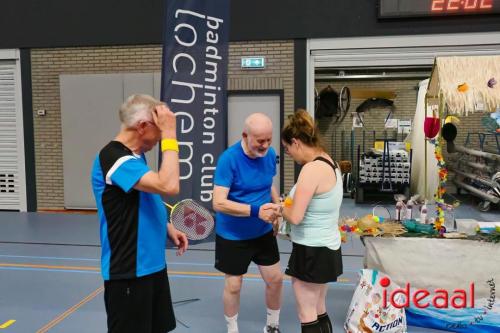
133, 223
249, 181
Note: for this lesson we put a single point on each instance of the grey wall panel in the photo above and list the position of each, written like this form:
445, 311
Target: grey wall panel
157, 85
89, 115
89, 112
141, 83
137, 83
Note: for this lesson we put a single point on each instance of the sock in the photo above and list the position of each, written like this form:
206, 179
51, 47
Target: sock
312, 327
273, 317
325, 323
232, 323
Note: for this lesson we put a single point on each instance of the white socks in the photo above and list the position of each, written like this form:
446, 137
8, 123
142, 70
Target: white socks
232, 323
273, 317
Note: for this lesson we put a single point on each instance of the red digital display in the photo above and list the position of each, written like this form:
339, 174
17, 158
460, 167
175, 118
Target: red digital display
438, 6
421, 8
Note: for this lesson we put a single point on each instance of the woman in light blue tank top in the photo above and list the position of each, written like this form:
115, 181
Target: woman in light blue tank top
313, 213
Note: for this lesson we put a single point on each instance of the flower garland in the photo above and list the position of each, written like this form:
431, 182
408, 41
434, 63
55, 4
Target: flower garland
441, 189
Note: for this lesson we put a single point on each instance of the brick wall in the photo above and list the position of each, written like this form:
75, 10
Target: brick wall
48, 64
405, 103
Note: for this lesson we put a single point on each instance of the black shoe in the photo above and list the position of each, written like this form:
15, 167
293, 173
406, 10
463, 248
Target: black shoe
271, 329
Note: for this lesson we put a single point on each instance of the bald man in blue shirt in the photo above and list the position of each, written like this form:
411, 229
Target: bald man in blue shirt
245, 199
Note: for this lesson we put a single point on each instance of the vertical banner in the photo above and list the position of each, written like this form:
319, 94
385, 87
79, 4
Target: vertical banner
194, 80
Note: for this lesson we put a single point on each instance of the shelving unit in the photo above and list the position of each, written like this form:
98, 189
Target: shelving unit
387, 173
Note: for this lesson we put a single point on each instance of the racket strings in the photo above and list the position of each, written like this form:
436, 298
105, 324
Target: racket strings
192, 219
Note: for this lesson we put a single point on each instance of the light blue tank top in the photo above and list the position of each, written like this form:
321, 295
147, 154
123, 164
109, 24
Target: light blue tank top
320, 224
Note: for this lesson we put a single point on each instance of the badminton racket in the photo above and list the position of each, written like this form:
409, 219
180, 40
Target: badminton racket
192, 219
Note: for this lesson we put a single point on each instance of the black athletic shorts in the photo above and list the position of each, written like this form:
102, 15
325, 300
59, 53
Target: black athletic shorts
314, 264
234, 256
139, 305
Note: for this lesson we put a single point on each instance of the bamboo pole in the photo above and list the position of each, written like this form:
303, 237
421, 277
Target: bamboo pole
487, 182
480, 166
490, 156
477, 192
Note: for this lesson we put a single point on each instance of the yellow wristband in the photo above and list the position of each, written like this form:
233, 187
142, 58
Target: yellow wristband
169, 144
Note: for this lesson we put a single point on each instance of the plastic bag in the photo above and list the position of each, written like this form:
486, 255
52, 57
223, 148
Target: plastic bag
284, 229
367, 313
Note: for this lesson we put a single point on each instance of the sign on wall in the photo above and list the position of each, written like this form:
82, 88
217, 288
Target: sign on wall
194, 80
253, 62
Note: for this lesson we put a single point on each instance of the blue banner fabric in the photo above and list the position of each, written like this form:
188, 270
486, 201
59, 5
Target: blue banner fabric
194, 81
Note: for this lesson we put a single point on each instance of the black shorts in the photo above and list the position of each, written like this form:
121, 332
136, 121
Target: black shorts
234, 256
139, 305
314, 264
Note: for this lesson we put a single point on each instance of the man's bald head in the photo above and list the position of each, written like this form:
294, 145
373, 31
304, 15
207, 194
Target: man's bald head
257, 134
258, 123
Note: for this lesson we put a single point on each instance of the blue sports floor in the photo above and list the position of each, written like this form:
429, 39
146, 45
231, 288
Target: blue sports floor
50, 279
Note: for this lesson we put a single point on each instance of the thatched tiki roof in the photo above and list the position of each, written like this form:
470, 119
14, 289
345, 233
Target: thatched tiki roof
475, 72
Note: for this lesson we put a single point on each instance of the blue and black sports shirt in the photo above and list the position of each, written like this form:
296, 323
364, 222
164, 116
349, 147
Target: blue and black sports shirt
132, 223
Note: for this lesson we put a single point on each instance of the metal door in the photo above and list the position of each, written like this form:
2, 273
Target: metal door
241, 105
12, 181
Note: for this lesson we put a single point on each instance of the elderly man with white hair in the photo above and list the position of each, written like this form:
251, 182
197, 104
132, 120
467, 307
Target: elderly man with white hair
133, 218
245, 199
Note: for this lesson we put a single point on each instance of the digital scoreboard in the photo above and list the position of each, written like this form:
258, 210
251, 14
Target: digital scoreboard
422, 8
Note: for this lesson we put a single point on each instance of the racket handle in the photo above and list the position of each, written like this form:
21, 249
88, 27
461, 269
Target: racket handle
166, 204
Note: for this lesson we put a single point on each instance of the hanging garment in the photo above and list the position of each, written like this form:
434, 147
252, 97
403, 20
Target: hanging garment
417, 140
